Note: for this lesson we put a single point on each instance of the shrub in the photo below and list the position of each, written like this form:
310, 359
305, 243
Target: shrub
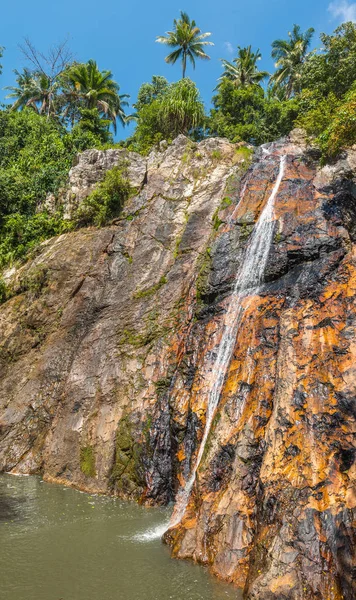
35, 157
21, 234
246, 114
341, 132
316, 111
174, 109
106, 201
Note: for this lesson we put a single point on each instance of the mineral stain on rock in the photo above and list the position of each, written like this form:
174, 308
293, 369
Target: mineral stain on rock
106, 358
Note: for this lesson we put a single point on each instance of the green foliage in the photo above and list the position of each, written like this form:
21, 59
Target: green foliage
21, 234
176, 109
290, 56
106, 201
64, 96
92, 127
150, 91
341, 132
84, 86
316, 111
34, 160
35, 157
225, 203
309, 90
327, 102
37, 91
334, 69
188, 40
216, 155
87, 461
182, 110
243, 70
245, 114
244, 153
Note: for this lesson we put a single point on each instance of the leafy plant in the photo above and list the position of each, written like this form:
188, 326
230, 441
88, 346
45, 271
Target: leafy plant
84, 86
290, 55
177, 108
243, 70
106, 201
341, 132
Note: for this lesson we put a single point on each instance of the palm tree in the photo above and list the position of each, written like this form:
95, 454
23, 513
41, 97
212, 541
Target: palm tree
85, 86
35, 90
290, 56
243, 70
189, 39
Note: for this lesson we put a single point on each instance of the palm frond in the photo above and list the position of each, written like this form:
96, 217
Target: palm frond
188, 40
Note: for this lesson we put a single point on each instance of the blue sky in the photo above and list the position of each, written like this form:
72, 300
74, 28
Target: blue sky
120, 36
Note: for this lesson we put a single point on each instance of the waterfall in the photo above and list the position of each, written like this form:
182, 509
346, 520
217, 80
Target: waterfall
247, 282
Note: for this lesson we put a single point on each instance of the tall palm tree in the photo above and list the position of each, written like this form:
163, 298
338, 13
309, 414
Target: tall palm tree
290, 56
243, 70
85, 86
35, 90
188, 39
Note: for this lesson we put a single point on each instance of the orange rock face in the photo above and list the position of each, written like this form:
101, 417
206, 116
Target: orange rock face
273, 505
106, 370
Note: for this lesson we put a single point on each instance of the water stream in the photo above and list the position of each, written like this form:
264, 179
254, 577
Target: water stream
247, 283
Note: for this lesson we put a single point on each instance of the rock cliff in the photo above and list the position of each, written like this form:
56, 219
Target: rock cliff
108, 347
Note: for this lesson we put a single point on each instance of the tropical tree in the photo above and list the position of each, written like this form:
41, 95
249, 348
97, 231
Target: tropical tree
177, 108
333, 69
188, 40
85, 86
35, 90
90, 124
38, 86
246, 114
243, 70
150, 91
1, 53
290, 55
182, 109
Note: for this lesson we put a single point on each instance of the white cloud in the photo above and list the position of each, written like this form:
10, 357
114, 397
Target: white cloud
343, 10
229, 47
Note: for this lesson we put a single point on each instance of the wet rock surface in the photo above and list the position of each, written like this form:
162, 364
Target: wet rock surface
108, 343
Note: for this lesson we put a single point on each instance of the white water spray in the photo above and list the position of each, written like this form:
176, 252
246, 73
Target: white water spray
247, 282
152, 534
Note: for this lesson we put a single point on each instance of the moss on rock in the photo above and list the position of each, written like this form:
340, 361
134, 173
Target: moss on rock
87, 461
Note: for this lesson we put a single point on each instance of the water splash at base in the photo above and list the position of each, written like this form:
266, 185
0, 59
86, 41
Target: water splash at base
154, 533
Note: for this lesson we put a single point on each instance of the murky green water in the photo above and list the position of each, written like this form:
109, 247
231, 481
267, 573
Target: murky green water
59, 544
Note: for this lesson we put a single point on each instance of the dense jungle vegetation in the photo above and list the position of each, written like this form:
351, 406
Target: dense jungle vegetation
59, 107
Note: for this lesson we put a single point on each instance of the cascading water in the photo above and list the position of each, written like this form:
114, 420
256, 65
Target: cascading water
247, 282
